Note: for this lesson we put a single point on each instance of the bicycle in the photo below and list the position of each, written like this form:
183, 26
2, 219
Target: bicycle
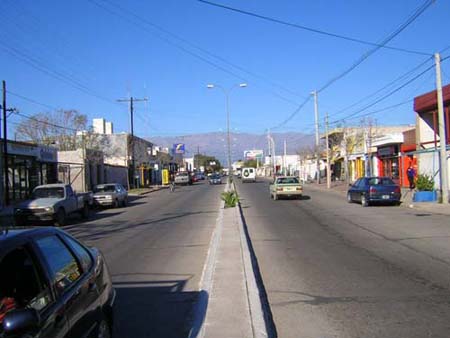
172, 186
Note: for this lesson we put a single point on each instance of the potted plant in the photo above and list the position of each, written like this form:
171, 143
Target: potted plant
425, 189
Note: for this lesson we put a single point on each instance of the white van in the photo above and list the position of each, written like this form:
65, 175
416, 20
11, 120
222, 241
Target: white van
248, 175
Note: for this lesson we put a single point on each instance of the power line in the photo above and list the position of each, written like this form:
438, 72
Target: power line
38, 65
32, 100
314, 30
370, 52
373, 112
387, 95
45, 122
295, 112
401, 77
142, 23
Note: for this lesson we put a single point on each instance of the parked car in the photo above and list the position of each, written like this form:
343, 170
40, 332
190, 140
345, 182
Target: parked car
110, 194
200, 176
194, 178
215, 179
182, 178
52, 202
52, 286
285, 186
370, 190
248, 175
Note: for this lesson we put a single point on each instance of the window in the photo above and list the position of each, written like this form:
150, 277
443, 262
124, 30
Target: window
64, 269
21, 284
81, 252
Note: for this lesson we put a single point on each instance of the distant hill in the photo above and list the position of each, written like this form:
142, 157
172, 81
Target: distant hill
214, 144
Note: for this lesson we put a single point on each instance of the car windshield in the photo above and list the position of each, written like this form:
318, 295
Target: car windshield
287, 180
105, 188
49, 193
381, 181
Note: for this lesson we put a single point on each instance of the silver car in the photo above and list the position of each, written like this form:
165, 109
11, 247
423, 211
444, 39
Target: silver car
110, 194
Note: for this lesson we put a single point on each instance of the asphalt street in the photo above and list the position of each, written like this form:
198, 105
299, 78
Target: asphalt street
333, 269
156, 249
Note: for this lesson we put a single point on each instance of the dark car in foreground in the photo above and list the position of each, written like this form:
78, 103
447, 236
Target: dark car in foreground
371, 190
52, 286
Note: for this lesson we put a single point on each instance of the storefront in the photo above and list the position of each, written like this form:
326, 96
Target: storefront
389, 161
28, 166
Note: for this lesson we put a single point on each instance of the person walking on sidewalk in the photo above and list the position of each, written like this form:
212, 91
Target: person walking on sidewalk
411, 173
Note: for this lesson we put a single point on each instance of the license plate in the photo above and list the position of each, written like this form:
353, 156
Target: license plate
289, 189
385, 197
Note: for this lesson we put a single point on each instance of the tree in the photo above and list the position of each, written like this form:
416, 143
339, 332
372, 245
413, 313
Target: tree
55, 128
250, 164
206, 162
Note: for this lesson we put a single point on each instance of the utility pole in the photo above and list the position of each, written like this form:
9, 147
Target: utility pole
131, 100
328, 153
316, 120
442, 135
269, 149
5, 145
284, 158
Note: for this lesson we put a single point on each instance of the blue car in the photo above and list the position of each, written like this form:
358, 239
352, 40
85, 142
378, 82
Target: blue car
371, 190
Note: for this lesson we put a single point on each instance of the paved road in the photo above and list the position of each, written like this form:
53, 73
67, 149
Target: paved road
156, 249
333, 269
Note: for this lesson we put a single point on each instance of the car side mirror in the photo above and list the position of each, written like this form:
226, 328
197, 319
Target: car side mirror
21, 321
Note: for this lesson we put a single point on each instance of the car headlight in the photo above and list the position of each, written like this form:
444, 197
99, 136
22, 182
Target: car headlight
50, 209
17, 211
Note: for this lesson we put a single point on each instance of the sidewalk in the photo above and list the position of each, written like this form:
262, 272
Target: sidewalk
430, 207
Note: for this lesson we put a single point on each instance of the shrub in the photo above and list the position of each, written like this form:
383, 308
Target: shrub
230, 198
424, 183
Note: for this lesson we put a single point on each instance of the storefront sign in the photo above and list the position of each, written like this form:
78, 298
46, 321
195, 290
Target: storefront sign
386, 151
41, 153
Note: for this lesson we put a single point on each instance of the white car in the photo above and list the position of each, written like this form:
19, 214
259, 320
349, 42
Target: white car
248, 175
110, 194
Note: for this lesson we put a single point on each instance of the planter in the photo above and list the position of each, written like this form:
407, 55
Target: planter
425, 196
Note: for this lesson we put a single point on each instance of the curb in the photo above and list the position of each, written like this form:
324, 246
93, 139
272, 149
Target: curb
148, 192
258, 318
260, 313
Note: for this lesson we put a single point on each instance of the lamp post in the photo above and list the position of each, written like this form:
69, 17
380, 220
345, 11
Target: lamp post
227, 93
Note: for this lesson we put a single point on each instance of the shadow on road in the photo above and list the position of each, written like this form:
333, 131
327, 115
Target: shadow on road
157, 308
91, 231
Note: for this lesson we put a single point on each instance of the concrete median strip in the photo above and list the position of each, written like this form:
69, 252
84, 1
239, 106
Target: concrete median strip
229, 304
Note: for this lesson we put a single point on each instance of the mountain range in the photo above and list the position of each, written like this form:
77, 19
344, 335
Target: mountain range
215, 144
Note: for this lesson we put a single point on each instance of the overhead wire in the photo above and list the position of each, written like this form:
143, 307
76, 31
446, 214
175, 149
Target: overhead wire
144, 24
387, 95
370, 52
391, 83
313, 30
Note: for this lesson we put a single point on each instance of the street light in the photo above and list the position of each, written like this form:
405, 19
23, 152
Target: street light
227, 93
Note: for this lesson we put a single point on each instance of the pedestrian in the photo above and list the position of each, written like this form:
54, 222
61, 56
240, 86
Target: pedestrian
411, 173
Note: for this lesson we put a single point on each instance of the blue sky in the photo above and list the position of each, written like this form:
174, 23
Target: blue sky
111, 56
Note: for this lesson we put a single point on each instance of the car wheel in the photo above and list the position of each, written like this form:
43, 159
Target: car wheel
103, 330
349, 198
85, 211
60, 218
364, 201
116, 203
125, 202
